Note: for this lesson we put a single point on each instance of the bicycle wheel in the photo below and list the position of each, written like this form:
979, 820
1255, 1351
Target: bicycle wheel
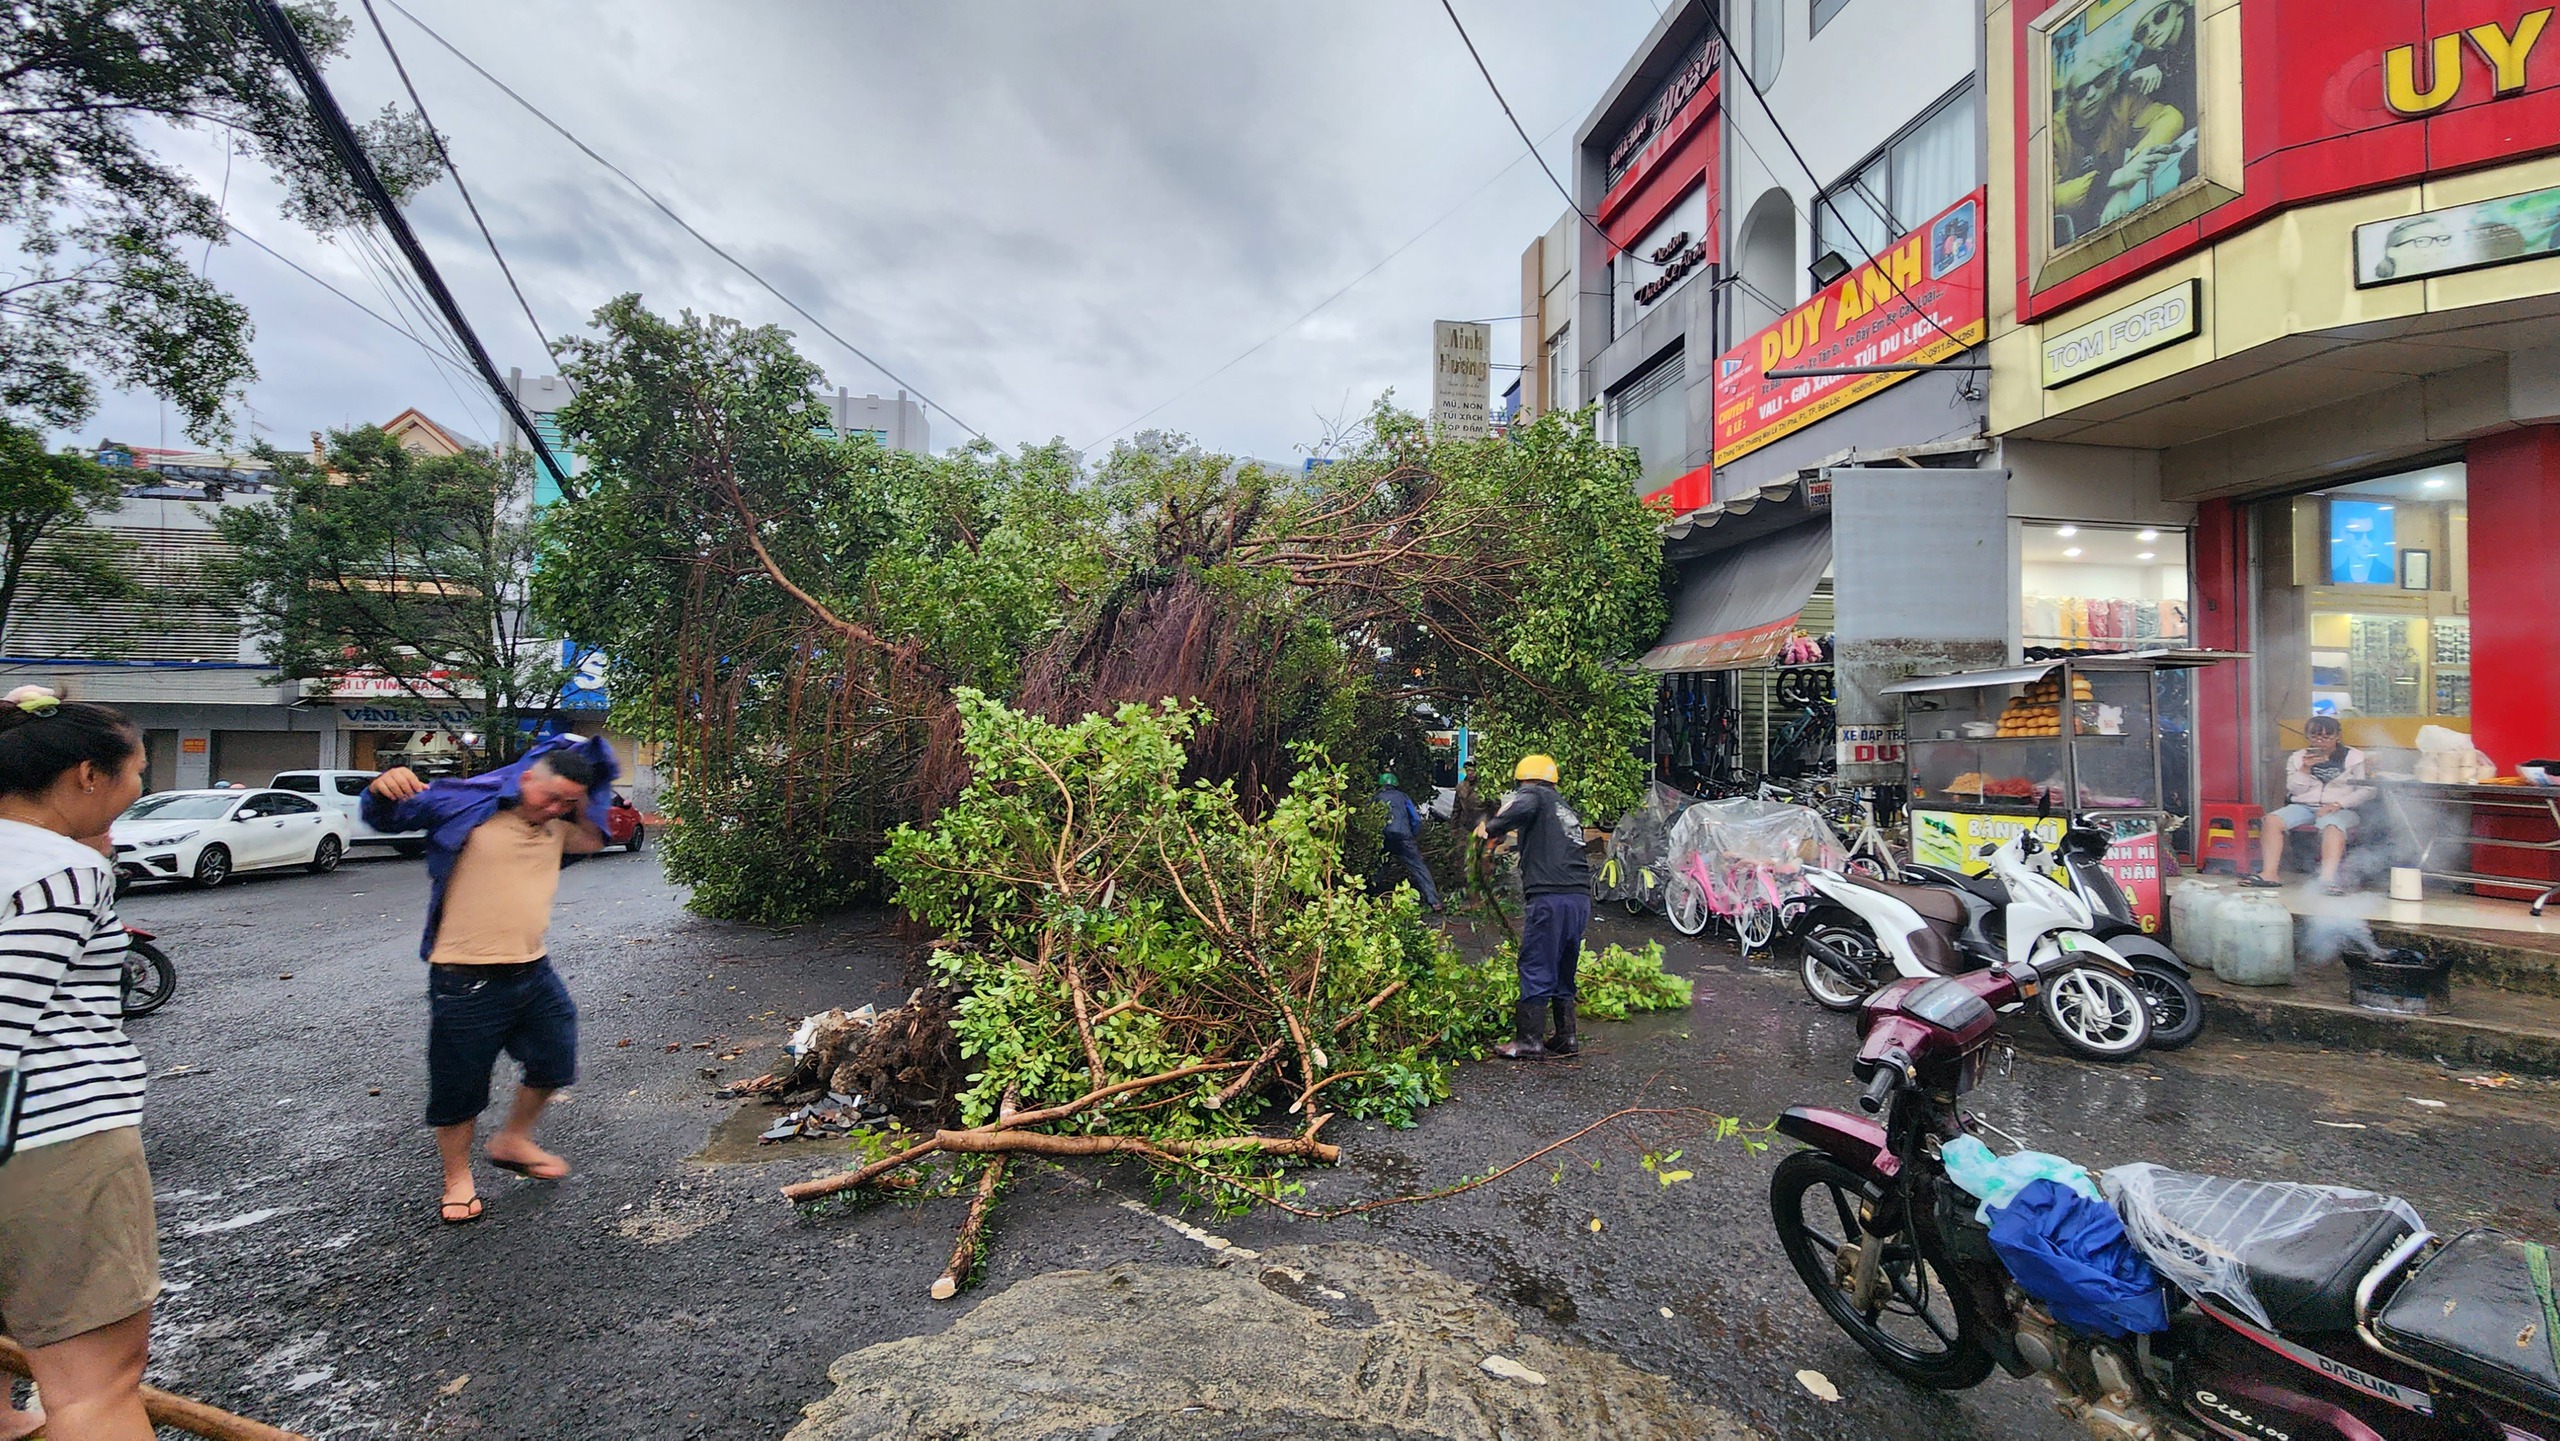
1866, 865
1686, 904
1755, 924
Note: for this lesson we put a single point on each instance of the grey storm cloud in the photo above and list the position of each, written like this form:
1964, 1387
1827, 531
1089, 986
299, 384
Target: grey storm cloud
1051, 218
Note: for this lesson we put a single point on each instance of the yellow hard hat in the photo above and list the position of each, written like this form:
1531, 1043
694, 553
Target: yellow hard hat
1535, 768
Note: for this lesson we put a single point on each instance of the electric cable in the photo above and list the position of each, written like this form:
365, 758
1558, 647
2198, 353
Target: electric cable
541, 337
685, 225
1821, 196
396, 327
279, 33
1574, 205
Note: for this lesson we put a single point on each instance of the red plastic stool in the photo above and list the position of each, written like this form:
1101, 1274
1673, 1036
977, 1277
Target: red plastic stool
2228, 832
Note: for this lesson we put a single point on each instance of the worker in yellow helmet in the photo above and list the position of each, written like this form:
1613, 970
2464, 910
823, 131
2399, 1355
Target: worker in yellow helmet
1557, 880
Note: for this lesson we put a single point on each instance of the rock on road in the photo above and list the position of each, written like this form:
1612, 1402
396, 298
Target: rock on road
665, 1290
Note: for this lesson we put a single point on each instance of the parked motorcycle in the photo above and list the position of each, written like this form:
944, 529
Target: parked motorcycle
149, 979
1874, 930
2297, 1313
2159, 973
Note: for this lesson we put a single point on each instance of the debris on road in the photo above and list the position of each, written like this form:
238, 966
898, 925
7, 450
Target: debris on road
1510, 1370
2498, 1082
2423, 1101
1819, 1384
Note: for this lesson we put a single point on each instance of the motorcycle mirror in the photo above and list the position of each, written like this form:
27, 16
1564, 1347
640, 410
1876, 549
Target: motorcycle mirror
1988, 850
2044, 805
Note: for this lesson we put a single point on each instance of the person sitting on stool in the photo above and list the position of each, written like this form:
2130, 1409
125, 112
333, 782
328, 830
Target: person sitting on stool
2324, 782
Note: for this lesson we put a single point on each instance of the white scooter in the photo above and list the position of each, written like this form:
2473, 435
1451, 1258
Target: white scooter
1871, 931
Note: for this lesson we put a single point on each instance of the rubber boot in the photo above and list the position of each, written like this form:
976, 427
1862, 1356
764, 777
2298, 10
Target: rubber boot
1561, 1041
1526, 1019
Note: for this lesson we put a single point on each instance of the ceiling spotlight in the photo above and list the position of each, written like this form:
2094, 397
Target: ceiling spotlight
2437, 482
2386, 507
2146, 535
2072, 553
2146, 555
2066, 530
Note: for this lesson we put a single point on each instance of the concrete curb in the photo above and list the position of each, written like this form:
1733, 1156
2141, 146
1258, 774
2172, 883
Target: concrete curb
2282, 1014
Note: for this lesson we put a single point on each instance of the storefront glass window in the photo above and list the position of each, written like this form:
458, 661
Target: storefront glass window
1651, 414
2365, 614
2095, 587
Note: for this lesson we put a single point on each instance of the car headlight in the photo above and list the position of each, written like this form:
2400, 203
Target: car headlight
181, 838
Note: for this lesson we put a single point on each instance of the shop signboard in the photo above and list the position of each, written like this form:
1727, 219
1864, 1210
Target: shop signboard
583, 685
2127, 331
408, 717
1870, 745
1954, 839
1920, 300
378, 685
1685, 81
2459, 237
1677, 247
1461, 379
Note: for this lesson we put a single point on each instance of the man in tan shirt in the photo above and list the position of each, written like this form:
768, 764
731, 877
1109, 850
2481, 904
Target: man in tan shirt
496, 843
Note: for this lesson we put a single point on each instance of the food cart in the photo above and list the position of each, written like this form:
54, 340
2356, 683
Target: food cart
1987, 749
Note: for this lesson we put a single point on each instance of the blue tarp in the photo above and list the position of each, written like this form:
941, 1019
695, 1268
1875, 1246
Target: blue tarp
2072, 1253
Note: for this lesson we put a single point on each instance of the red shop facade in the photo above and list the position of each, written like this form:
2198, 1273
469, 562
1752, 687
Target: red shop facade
2291, 269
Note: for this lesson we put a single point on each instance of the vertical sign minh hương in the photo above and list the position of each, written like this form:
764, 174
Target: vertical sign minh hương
1461, 379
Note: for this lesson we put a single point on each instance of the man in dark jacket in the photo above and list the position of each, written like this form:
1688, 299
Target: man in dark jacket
1557, 880
1404, 837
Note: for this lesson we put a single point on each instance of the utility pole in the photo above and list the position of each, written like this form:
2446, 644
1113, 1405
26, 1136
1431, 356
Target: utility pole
269, 17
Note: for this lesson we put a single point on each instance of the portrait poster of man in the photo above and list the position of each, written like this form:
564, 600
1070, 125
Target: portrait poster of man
2463, 237
2125, 111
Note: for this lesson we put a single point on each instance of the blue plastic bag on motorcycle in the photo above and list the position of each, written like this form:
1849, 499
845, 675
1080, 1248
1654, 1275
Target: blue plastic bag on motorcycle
2072, 1253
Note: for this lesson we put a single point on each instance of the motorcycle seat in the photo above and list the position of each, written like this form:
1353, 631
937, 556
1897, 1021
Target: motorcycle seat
1932, 902
2476, 1312
2302, 1249
1986, 886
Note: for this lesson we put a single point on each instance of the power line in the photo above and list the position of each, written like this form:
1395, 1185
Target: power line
1574, 205
279, 31
1346, 289
1820, 195
393, 325
664, 209
541, 337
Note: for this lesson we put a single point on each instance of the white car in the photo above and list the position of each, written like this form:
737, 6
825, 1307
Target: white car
343, 792
205, 837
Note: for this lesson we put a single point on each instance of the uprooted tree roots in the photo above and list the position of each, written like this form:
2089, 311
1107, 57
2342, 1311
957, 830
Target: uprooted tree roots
1142, 969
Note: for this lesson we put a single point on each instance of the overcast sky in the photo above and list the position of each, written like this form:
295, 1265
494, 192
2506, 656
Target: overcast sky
1051, 218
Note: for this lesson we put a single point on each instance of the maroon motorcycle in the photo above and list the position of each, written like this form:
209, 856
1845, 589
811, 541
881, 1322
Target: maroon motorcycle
2295, 1313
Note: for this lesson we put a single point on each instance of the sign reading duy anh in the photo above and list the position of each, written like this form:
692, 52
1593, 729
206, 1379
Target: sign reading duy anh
1921, 299
1461, 379
2138, 328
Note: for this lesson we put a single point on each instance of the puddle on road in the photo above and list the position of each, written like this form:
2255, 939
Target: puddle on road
1539, 1293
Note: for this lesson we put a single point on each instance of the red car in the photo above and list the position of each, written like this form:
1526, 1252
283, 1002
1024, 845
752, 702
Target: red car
622, 824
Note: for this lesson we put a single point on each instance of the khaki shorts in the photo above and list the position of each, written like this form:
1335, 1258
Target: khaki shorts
79, 1246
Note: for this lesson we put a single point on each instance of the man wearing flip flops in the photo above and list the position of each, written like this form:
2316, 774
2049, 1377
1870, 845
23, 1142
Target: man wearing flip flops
494, 847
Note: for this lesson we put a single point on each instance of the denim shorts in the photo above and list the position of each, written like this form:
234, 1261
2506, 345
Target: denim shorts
2298, 816
474, 1013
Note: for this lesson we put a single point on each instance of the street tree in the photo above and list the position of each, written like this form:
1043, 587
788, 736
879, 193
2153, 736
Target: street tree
792, 613
381, 561
50, 549
107, 288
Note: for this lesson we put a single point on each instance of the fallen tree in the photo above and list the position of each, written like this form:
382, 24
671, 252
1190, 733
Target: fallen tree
1141, 967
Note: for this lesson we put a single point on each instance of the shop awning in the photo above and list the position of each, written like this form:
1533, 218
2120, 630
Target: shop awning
1737, 607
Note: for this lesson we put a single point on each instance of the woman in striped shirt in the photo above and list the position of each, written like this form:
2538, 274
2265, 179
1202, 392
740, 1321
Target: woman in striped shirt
79, 1248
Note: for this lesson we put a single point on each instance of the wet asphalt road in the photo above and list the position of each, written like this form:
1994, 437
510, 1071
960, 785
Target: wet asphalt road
659, 1293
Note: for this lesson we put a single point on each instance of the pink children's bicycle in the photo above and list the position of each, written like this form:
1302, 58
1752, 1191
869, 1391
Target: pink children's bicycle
1750, 895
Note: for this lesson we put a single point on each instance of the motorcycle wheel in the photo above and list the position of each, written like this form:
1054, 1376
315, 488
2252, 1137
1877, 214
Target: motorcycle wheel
2096, 1014
1686, 905
149, 979
2177, 1012
1829, 989
1919, 1333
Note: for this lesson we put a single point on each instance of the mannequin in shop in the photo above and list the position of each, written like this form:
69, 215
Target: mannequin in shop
2324, 783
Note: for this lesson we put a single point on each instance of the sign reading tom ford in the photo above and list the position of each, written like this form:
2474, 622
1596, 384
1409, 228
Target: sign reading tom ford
1920, 300
1461, 379
2159, 319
